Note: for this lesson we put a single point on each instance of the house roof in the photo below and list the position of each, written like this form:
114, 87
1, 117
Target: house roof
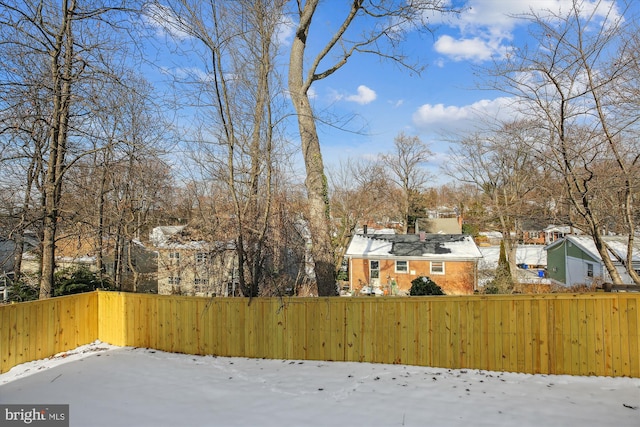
159, 236
434, 246
525, 254
617, 244
182, 238
565, 229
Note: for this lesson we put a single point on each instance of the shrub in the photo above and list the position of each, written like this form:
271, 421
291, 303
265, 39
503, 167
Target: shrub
77, 280
491, 289
24, 290
423, 285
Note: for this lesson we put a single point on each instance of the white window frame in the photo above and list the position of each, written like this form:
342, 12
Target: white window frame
437, 271
402, 271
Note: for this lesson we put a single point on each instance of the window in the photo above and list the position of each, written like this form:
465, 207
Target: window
437, 267
201, 257
200, 281
534, 234
174, 280
402, 266
374, 269
589, 270
174, 255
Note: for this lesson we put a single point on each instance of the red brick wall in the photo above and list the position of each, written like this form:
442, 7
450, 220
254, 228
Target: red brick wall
527, 239
459, 277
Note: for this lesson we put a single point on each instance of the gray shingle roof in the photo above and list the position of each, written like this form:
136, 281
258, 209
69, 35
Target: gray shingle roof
411, 245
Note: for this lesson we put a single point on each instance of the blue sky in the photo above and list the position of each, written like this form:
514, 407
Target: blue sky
443, 100
446, 98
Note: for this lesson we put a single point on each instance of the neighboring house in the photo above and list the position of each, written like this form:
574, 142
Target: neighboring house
8, 249
161, 235
574, 260
531, 232
190, 266
555, 232
138, 273
450, 260
31, 262
532, 237
7, 255
440, 221
139, 268
489, 238
439, 225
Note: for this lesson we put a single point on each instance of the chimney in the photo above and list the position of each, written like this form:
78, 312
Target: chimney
364, 229
423, 236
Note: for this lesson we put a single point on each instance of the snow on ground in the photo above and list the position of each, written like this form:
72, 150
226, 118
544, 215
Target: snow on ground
117, 386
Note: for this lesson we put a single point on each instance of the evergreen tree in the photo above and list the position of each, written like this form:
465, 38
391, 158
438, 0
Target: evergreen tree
503, 281
423, 285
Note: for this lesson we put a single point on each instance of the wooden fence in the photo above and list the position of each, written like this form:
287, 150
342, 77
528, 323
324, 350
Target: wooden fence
38, 329
585, 334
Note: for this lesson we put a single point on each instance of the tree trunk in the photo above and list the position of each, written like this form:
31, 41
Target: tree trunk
601, 246
62, 76
317, 193
316, 181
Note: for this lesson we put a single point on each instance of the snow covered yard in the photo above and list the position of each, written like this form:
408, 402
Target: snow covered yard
122, 386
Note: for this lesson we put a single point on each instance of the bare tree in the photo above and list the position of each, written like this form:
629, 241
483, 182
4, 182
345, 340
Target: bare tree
503, 164
22, 163
124, 176
236, 42
569, 83
360, 192
406, 167
64, 44
385, 23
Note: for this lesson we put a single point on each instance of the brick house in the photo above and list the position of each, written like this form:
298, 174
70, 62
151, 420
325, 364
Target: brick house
391, 262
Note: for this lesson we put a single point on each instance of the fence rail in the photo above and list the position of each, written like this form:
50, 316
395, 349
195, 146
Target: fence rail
583, 334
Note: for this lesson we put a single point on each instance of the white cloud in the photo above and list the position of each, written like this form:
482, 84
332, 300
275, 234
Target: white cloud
364, 96
500, 16
285, 31
486, 26
463, 49
190, 74
439, 116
